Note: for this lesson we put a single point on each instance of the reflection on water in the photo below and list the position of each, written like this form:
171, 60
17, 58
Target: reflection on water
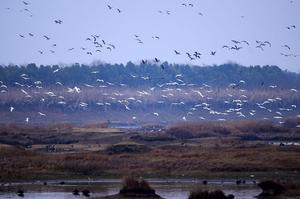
169, 189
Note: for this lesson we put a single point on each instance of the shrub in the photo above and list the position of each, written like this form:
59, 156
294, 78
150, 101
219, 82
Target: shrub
200, 194
135, 187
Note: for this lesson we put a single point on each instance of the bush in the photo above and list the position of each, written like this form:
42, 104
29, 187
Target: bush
217, 194
136, 187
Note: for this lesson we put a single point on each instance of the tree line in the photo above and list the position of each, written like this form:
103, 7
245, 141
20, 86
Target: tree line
149, 74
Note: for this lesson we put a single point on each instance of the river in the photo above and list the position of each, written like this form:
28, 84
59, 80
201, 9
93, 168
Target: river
169, 189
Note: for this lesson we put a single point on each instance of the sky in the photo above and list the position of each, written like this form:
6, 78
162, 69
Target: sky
179, 27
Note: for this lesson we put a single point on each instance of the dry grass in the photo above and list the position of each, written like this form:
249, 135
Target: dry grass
259, 129
86, 155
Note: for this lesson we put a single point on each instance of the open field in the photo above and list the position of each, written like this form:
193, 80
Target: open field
224, 149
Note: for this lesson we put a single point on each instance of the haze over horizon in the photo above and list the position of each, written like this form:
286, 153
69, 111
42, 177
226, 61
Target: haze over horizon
136, 30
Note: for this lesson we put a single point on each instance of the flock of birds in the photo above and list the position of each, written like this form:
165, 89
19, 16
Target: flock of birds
167, 90
102, 45
190, 101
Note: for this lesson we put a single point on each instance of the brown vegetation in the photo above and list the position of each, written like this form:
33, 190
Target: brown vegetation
217, 194
245, 130
59, 151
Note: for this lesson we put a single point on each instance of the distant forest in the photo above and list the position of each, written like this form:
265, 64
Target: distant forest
150, 75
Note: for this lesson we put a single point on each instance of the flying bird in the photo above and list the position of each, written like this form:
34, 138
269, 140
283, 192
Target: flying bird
58, 21
286, 46
46, 37
176, 52
41, 114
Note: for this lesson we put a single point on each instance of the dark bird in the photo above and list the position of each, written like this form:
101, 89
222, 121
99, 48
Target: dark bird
168, 12
103, 41
190, 4
89, 53
25, 3
162, 66
70, 49
54, 45
94, 37
52, 51
156, 60
119, 10
199, 13
260, 47
86, 193
109, 48
176, 52
267, 42
144, 61
46, 37
20, 193
213, 52
30, 34
41, 52
22, 36
58, 21
113, 46
235, 47
75, 192
246, 42
109, 6
286, 46
235, 41
184, 4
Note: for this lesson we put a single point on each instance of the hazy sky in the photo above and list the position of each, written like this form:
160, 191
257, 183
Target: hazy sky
183, 29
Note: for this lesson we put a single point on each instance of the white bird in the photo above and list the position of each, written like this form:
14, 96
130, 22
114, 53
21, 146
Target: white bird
42, 114
27, 119
156, 114
127, 108
11, 109
23, 91
55, 71
76, 89
88, 85
294, 90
